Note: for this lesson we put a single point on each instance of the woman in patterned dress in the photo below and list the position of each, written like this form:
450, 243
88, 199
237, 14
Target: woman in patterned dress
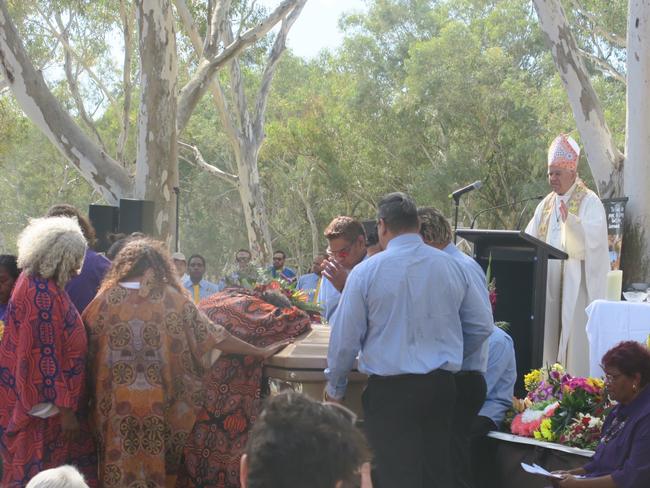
43, 359
149, 346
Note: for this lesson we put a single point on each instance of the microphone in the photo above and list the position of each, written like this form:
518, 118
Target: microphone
523, 210
509, 204
461, 191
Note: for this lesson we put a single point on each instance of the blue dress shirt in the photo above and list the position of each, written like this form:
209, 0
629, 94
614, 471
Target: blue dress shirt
500, 376
478, 360
401, 311
308, 283
328, 298
206, 288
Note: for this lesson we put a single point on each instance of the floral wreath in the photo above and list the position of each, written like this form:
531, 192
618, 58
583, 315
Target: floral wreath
276, 291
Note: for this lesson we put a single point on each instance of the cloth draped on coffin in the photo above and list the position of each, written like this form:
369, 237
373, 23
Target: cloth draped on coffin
233, 386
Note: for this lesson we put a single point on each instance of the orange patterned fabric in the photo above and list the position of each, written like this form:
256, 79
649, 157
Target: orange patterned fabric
233, 386
145, 368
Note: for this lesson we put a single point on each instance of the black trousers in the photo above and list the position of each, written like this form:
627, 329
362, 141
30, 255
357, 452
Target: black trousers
407, 420
483, 456
470, 396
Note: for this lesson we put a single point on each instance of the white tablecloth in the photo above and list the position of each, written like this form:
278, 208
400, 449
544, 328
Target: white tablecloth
612, 322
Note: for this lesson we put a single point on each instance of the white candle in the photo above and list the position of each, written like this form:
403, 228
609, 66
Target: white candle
614, 285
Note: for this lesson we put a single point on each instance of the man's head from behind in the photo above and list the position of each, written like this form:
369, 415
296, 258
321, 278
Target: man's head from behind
346, 241
61, 477
298, 442
434, 227
396, 214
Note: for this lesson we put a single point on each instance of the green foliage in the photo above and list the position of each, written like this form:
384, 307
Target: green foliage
423, 96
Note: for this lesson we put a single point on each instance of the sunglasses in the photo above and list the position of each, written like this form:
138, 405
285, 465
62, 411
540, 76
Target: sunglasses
342, 253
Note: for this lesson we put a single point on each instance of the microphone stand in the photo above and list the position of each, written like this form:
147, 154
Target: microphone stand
512, 204
456, 203
177, 192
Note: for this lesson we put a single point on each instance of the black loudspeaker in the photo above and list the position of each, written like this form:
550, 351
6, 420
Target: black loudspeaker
136, 216
104, 218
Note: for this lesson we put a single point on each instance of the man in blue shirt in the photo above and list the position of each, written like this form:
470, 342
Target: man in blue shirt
403, 312
195, 284
500, 377
310, 283
470, 381
346, 247
278, 270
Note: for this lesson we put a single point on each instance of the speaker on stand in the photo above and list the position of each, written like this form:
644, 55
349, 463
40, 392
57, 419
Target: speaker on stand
136, 216
105, 219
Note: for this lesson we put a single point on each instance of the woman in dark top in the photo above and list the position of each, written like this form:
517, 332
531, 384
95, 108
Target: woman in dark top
622, 459
8, 275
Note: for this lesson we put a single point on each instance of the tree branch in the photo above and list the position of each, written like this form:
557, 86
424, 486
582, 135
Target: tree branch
215, 86
604, 66
274, 57
595, 25
77, 58
126, 14
200, 162
71, 76
38, 103
219, 16
192, 92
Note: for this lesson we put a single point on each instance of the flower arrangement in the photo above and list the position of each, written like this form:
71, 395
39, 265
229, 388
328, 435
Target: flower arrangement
274, 290
561, 408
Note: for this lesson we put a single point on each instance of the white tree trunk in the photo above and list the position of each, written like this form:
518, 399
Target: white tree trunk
156, 163
250, 193
637, 161
605, 160
38, 103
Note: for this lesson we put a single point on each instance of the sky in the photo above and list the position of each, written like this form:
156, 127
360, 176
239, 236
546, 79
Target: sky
317, 26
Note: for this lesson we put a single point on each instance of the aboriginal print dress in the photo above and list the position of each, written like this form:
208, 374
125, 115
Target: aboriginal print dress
148, 350
233, 386
42, 367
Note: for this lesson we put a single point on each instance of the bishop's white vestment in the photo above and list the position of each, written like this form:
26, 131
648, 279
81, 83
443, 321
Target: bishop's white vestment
575, 283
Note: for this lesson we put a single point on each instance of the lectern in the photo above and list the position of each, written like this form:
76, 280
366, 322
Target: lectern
519, 265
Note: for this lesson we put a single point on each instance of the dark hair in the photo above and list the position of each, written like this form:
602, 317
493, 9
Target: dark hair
346, 227
67, 210
243, 250
196, 256
630, 358
138, 255
434, 227
398, 211
9, 262
284, 254
298, 442
117, 246
370, 228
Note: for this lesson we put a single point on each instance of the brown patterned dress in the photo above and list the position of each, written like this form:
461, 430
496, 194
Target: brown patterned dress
146, 358
233, 386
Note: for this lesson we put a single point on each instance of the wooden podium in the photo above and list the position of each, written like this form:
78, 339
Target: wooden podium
519, 265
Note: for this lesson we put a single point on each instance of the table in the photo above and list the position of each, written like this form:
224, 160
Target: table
506, 452
612, 322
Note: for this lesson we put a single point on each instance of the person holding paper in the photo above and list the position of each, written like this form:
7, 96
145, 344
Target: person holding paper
571, 218
622, 459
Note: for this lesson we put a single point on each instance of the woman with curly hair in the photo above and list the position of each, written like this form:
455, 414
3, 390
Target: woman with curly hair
149, 346
43, 359
622, 459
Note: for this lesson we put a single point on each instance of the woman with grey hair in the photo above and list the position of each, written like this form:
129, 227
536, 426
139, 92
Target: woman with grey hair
61, 477
43, 359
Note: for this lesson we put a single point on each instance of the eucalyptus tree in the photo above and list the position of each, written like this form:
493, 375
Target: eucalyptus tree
164, 108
